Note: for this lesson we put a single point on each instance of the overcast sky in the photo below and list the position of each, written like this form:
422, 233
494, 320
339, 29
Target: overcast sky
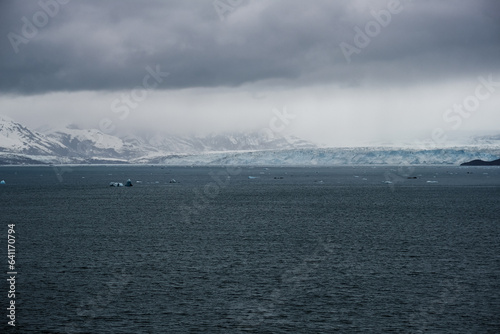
346, 72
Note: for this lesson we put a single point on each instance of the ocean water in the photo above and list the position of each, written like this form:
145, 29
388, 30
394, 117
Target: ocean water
288, 250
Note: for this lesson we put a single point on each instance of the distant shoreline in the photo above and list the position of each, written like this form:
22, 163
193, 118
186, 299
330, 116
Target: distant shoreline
479, 162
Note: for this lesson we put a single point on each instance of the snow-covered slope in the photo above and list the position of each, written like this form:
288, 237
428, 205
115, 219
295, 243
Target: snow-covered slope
72, 137
17, 139
18, 144
223, 142
84, 143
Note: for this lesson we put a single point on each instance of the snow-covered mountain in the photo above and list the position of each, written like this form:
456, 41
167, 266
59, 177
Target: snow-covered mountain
20, 145
16, 138
94, 144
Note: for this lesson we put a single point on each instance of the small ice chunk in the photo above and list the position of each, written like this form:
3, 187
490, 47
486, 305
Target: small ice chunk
2, 182
115, 184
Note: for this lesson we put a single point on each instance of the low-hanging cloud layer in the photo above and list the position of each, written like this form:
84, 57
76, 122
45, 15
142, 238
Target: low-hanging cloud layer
349, 71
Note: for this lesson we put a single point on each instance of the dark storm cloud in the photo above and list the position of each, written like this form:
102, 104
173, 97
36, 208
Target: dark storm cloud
107, 45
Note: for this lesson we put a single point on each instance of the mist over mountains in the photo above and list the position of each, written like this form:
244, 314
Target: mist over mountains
71, 145
21, 145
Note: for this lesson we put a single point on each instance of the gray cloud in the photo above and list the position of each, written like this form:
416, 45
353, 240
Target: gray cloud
408, 66
95, 45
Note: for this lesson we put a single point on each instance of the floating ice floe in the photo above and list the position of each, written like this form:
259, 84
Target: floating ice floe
253, 177
115, 184
432, 181
119, 184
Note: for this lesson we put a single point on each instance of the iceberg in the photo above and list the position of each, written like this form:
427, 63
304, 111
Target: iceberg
119, 184
115, 184
2, 182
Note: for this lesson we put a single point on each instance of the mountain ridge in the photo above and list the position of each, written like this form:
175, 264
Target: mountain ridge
20, 145
71, 145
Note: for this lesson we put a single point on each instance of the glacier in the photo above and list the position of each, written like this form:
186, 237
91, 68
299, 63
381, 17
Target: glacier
338, 156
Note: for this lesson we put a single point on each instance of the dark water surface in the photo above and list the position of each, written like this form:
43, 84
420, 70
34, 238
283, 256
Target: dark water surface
293, 250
